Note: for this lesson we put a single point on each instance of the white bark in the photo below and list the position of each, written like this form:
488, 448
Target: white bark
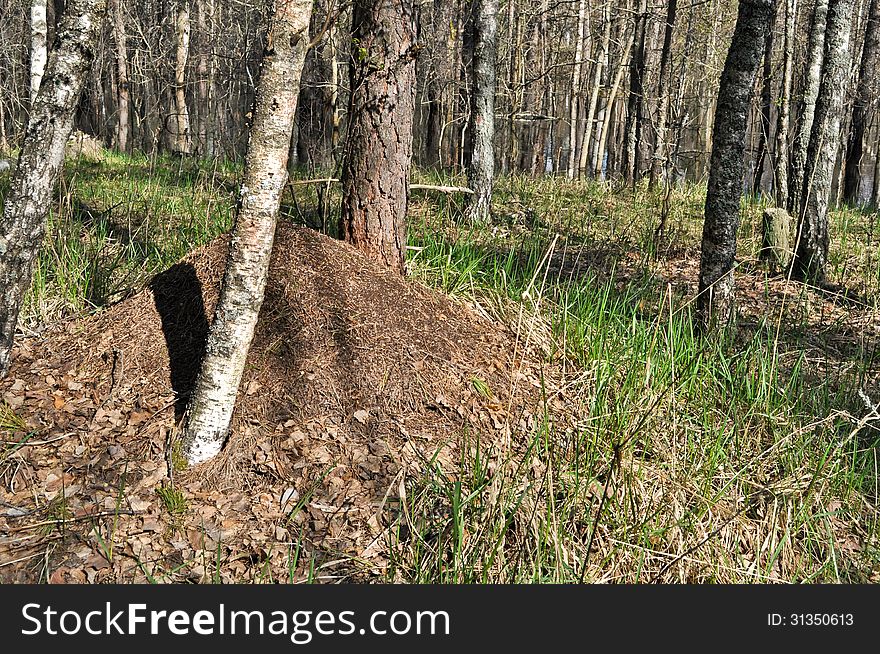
23, 223
39, 53
209, 413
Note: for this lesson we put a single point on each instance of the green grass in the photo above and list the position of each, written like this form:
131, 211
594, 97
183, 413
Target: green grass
752, 459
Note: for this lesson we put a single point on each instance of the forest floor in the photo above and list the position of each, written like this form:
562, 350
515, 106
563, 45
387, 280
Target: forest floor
530, 405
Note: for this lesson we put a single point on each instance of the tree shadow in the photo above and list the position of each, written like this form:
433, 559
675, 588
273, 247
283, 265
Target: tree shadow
177, 293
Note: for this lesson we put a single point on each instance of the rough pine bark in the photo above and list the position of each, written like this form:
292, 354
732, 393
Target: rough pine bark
39, 45
715, 301
811, 253
375, 175
812, 76
481, 128
23, 223
209, 411
865, 97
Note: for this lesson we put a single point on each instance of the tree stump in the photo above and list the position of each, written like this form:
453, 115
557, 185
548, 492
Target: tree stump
776, 239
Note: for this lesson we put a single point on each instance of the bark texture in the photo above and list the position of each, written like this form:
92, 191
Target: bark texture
181, 136
481, 128
866, 96
122, 81
715, 302
213, 398
23, 223
783, 117
39, 45
375, 175
812, 241
812, 76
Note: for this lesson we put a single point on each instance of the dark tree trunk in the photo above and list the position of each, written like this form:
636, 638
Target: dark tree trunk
375, 177
636, 102
715, 302
23, 223
766, 104
866, 95
659, 161
482, 26
812, 242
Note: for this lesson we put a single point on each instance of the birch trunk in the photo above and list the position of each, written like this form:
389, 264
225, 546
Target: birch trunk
812, 75
39, 45
23, 223
481, 171
181, 138
375, 175
574, 115
601, 64
783, 118
213, 398
715, 300
811, 253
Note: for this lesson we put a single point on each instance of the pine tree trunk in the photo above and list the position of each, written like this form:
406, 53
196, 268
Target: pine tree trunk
715, 301
481, 171
375, 176
23, 223
812, 240
209, 412
812, 76
39, 45
122, 81
866, 95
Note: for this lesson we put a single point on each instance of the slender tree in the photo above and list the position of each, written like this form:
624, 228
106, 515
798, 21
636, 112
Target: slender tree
661, 156
23, 223
812, 77
811, 253
122, 80
209, 411
783, 116
715, 301
375, 174
482, 27
39, 45
865, 98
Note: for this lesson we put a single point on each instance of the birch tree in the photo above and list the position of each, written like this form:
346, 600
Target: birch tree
209, 412
812, 76
715, 300
482, 27
39, 45
23, 223
811, 253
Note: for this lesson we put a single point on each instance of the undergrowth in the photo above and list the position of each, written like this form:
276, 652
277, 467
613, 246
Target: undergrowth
751, 459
